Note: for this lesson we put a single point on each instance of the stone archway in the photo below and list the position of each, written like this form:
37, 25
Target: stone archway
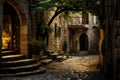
23, 26
11, 28
83, 42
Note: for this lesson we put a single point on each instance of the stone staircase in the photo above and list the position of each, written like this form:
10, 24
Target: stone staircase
45, 60
58, 57
14, 64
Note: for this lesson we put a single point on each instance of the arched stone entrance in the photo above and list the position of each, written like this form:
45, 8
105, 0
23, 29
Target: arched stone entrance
15, 27
11, 29
83, 42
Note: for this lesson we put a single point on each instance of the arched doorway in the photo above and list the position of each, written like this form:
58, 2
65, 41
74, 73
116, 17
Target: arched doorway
83, 41
15, 24
11, 28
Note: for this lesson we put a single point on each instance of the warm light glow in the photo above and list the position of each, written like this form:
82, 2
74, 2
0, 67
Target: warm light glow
6, 39
6, 32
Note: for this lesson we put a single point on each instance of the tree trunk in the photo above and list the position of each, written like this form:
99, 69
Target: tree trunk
100, 46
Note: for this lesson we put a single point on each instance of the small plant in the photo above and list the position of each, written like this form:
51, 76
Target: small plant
43, 30
36, 46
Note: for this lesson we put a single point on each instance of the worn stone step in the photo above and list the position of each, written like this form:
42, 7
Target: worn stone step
16, 63
19, 68
65, 57
13, 57
46, 61
37, 71
54, 56
44, 57
61, 57
11, 52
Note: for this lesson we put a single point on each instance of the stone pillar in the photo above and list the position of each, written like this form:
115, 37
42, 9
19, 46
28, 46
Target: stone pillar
24, 39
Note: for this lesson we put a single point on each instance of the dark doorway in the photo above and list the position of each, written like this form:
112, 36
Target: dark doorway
11, 28
83, 42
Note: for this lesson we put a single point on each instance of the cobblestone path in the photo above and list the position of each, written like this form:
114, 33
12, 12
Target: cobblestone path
74, 68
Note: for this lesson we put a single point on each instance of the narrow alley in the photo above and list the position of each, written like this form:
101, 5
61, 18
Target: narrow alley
74, 68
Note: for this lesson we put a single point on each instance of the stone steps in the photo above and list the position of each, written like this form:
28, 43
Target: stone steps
20, 68
6, 53
54, 56
37, 71
14, 64
46, 61
61, 58
13, 57
44, 57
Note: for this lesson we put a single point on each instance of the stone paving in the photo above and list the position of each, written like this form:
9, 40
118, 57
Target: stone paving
74, 68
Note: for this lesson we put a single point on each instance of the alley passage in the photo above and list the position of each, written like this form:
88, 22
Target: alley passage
74, 68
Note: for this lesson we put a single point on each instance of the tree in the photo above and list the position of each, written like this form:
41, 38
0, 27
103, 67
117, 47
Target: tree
66, 6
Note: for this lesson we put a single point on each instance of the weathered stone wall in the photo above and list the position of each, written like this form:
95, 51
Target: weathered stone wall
55, 38
93, 36
91, 30
72, 37
93, 33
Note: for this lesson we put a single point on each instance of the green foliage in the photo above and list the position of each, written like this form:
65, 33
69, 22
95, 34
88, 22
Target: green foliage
43, 29
66, 15
45, 5
67, 6
36, 46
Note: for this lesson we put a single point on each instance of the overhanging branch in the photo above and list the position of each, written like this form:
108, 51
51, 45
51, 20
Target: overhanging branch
57, 12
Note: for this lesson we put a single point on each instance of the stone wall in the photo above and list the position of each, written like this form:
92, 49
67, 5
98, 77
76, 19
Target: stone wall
91, 30
71, 36
55, 38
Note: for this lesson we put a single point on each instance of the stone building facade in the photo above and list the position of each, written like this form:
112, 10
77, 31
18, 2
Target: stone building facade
83, 33
75, 34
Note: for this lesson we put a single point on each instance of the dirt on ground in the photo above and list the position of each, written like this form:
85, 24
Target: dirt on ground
74, 68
